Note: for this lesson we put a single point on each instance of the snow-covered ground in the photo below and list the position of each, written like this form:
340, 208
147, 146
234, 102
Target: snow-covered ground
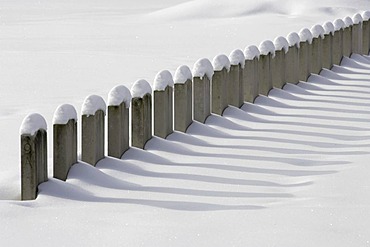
290, 170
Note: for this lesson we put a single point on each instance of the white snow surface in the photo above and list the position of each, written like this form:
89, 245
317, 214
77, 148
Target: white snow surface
182, 74
267, 47
348, 21
293, 39
251, 52
317, 31
339, 24
162, 80
140, 89
64, 113
32, 123
118, 95
329, 28
305, 35
281, 43
237, 57
92, 104
365, 15
203, 67
357, 18
220, 62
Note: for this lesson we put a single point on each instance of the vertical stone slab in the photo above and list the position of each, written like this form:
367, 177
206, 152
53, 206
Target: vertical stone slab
337, 49
327, 51
292, 59
33, 155
251, 85
357, 34
183, 97
267, 50
316, 56
163, 112
278, 62
235, 84
304, 64
365, 37
141, 114
347, 41
219, 91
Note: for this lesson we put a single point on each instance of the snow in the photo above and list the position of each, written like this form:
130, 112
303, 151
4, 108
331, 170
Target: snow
251, 52
203, 67
339, 24
162, 80
64, 113
305, 35
329, 28
119, 94
237, 57
182, 74
140, 89
348, 21
357, 18
32, 123
267, 47
293, 39
317, 31
366, 15
220, 62
92, 104
281, 43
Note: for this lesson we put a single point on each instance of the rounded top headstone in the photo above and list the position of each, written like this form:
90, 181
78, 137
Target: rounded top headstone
32, 123
119, 94
64, 113
182, 74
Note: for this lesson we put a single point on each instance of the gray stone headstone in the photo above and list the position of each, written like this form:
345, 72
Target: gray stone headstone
163, 116
235, 86
292, 65
183, 105
327, 51
365, 37
141, 120
264, 74
278, 69
118, 130
337, 49
316, 62
251, 80
201, 98
357, 38
347, 41
304, 65
219, 91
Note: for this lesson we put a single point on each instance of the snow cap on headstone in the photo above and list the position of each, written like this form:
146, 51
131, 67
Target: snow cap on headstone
357, 19
182, 74
64, 113
32, 123
220, 62
317, 31
366, 15
250, 52
119, 94
281, 43
305, 35
162, 80
339, 24
293, 39
92, 104
237, 57
203, 67
267, 47
328, 27
348, 21
140, 89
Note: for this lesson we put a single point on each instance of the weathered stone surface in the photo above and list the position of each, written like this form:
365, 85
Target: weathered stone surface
141, 121
235, 86
219, 91
118, 130
201, 98
347, 41
337, 49
163, 116
250, 80
326, 56
292, 65
278, 69
264, 74
365, 37
183, 106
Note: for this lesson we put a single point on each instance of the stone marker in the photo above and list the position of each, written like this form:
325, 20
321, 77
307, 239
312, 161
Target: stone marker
278, 62
292, 59
250, 80
267, 50
305, 46
221, 66
366, 33
357, 34
235, 83
347, 37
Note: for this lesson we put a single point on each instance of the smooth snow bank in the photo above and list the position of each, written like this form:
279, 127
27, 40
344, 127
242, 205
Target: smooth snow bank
237, 57
92, 104
182, 74
281, 43
162, 80
305, 35
220, 62
328, 27
366, 15
318, 31
293, 39
119, 94
348, 21
32, 123
339, 24
357, 18
64, 113
251, 52
267, 47
140, 89
203, 67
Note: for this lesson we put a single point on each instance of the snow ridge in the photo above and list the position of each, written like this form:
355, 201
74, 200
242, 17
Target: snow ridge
281, 43
305, 35
293, 39
182, 74
220, 62
328, 27
357, 18
162, 80
348, 21
119, 94
140, 89
32, 123
203, 67
250, 52
267, 47
339, 24
318, 31
92, 104
237, 57
64, 113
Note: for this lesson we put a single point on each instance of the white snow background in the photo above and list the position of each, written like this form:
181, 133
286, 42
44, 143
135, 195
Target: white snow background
289, 170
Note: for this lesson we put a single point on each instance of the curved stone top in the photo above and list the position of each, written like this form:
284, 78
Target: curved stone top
162, 80
328, 27
305, 35
32, 123
293, 39
220, 62
281, 43
348, 21
366, 15
267, 47
237, 57
182, 74
119, 94
92, 104
357, 19
317, 31
339, 24
203, 67
140, 89
250, 52
64, 113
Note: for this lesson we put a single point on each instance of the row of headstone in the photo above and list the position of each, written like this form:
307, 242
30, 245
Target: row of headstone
185, 97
